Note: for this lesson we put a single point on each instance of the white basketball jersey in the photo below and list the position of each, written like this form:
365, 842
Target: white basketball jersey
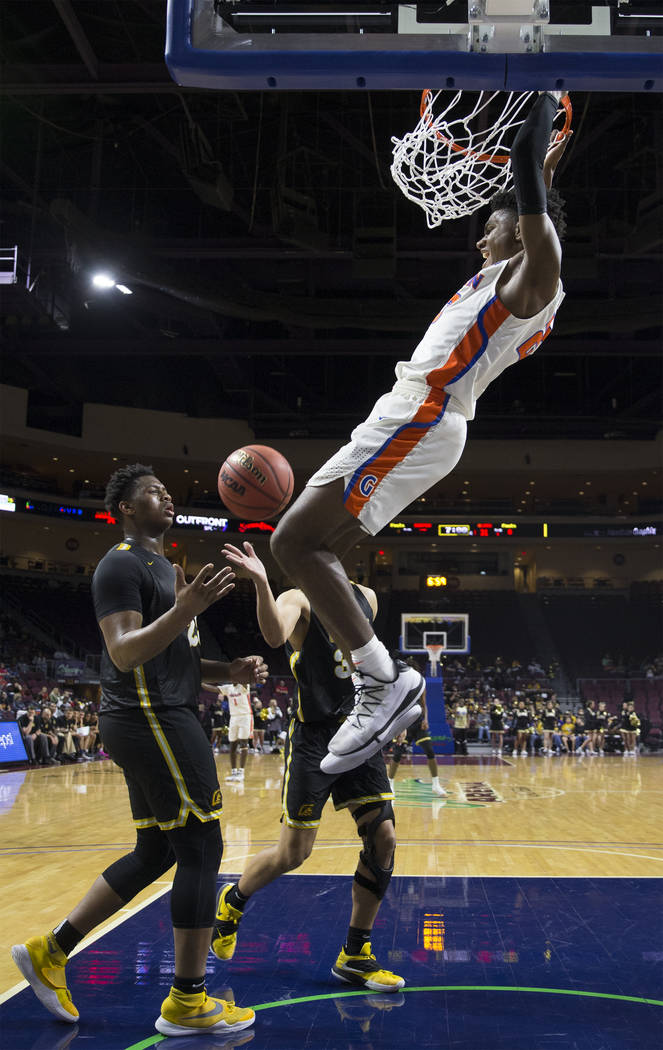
238, 699
474, 338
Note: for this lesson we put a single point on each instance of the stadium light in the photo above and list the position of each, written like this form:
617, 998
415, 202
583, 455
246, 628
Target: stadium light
103, 280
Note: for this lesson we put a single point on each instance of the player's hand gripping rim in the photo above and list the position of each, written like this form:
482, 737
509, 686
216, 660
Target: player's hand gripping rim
205, 589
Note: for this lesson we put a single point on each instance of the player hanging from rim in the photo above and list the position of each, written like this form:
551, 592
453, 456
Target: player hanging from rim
324, 694
415, 434
418, 733
150, 679
497, 726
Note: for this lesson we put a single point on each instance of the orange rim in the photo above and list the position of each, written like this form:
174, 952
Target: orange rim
495, 158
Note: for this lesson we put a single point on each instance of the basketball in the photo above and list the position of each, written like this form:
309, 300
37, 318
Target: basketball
256, 482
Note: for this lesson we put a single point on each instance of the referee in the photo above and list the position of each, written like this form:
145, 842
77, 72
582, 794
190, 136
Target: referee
150, 678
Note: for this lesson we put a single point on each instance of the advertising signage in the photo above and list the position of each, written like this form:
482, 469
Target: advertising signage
204, 520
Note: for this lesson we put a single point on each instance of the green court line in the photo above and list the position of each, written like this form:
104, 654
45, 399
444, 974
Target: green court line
154, 1039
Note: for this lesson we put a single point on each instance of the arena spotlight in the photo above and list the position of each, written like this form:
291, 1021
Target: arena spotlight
123, 288
103, 280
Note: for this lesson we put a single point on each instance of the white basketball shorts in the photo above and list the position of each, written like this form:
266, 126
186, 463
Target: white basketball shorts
240, 727
413, 438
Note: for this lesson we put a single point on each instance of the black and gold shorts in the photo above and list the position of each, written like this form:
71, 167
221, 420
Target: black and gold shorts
167, 762
306, 788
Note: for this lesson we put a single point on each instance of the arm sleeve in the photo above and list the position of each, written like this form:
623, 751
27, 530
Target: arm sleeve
116, 586
528, 154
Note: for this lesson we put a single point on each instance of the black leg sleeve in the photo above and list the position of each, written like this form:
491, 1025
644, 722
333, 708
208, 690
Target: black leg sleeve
198, 848
528, 154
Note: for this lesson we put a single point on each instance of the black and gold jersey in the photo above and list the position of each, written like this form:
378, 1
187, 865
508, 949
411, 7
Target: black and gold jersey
322, 674
131, 578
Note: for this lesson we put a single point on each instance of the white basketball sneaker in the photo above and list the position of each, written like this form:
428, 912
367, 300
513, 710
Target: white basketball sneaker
382, 710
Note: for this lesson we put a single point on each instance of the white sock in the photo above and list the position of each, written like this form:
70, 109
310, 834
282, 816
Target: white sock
373, 659
436, 782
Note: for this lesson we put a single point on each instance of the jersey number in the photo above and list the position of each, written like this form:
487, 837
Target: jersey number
342, 668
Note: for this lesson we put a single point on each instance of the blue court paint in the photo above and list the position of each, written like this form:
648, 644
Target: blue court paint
473, 952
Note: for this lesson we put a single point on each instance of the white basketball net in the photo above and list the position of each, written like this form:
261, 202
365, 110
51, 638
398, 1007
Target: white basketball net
449, 168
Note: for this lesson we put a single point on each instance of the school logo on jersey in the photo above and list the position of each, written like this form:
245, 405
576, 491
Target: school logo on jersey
306, 810
367, 484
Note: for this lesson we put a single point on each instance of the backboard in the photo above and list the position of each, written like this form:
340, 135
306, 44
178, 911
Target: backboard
513, 45
435, 634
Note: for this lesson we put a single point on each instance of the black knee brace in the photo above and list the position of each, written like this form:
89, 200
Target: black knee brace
151, 858
198, 849
367, 857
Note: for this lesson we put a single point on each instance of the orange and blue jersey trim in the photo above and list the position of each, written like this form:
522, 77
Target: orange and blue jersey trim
368, 476
472, 346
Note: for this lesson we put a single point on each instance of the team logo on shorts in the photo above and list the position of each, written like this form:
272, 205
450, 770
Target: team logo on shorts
305, 810
216, 798
367, 484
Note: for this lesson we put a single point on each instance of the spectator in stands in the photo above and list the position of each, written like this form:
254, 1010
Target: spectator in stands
521, 726
67, 723
581, 736
219, 713
601, 719
590, 727
7, 713
497, 726
65, 736
281, 694
258, 725
45, 728
567, 732
55, 698
274, 722
483, 723
95, 746
534, 667
548, 726
630, 729
35, 745
460, 719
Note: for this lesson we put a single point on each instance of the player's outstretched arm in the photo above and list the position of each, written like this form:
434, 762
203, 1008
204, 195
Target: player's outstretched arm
276, 619
533, 163
245, 670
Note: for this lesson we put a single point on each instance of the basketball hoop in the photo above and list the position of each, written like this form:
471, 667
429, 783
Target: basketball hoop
453, 163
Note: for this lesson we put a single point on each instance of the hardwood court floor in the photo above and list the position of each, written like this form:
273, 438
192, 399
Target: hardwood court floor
558, 817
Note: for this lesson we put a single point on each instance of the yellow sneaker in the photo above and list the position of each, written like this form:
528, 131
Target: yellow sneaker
42, 963
198, 1013
363, 969
224, 937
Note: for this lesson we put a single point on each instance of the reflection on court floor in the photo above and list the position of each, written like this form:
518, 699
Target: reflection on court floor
524, 964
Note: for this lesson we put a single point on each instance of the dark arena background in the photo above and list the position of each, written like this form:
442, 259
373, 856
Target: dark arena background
195, 257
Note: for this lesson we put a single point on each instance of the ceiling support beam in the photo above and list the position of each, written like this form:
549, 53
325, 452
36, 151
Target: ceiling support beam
77, 34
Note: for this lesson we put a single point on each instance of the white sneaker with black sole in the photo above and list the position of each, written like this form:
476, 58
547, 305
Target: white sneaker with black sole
382, 710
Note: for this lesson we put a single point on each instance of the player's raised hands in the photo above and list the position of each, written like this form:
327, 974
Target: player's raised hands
246, 562
248, 670
205, 589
